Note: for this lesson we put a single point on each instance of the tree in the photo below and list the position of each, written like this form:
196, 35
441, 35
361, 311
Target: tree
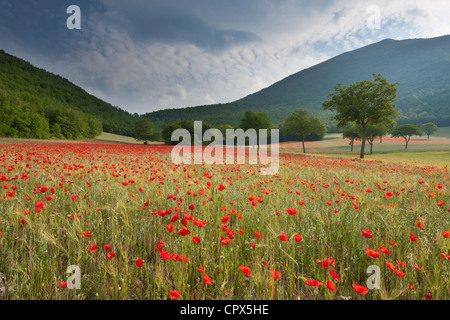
255, 121
372, 132
166, 133
143, 130
301, 124
406, 131
353, 134
429, 128
363, 103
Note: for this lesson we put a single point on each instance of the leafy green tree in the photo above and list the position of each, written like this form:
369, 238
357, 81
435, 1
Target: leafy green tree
301, 124
429, 128
166, 133
257, 121
373, 132
363, 103
144, 130
352, 134
406, 131
252, 120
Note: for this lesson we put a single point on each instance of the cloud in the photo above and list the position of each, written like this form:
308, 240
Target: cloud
149, 55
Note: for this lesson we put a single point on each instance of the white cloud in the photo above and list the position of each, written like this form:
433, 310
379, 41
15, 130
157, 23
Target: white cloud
142, 77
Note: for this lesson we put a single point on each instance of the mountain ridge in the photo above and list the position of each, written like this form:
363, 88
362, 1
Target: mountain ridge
421, 66
62, 109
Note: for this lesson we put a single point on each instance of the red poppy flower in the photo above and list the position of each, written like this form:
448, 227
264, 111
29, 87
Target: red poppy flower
139, 263
246, 271
298, 238
366, 234
201, 224
107, 247
196, 240
93, 248
334, 275
174, 295
39, 206
360, 289
292, 212
111, 255
283, 238
399, 273
313, 283
165, 255
413, 238
184, 232
207, 279
372, 253
390, 265
384, 250
275, 275
224, 242
331, 286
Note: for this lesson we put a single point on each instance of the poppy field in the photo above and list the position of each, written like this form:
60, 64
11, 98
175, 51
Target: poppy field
140, 227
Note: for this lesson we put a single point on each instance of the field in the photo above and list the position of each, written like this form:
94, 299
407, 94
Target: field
139, 227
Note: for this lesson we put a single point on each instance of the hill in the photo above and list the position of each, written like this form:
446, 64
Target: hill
420, 66
37, 104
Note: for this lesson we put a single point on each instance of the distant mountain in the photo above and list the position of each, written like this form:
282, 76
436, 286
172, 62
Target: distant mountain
420, 66
37, 104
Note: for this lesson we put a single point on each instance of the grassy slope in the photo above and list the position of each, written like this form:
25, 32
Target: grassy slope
422, 155
435, 153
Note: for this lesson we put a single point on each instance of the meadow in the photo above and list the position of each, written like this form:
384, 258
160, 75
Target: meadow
140, 227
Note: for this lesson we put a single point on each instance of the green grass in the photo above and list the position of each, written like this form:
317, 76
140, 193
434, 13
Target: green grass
105, 137
35, 255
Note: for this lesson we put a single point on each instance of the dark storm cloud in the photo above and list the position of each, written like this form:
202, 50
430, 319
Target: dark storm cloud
39, 26
178, 27
148, 24
151, 54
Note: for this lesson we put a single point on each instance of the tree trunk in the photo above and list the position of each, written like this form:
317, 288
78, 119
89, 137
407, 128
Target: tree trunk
406, 146
351, 144
371, 144
303, 143
428, 137
363, 142
381, 139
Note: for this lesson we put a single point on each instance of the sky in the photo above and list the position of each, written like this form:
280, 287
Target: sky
145, 55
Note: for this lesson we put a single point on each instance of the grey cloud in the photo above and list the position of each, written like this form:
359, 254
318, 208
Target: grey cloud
175, 27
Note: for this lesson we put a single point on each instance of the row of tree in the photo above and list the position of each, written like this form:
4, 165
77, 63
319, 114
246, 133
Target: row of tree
45, 123
365, 110
405, 131
297, 127
369, 107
